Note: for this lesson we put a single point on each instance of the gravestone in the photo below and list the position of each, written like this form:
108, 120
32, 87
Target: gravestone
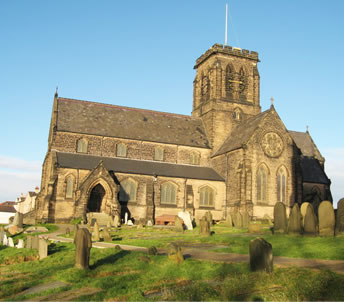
204, 227
209, 217
35, 242
255, 228
303, 210
42, 248
28, 242
245, 219
117, 221
237, 220
229, 221
67, 231
340, 217
310, 222
106, 235
18, 219
2, 233
175, 253
149, 223
326, 219
187, 219
20, 244
294, 225
96, 236
178, 224
261, 258
280, 218
10, 242
5, 240
83, 244
268, 219
108, 225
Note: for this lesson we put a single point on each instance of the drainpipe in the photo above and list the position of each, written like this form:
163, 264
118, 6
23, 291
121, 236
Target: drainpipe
185, 195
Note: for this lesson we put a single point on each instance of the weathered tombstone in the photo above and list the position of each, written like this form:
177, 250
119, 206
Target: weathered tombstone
340, 217
280, 218
35, 242
42, 248
261, 258
326, 219
303, 210
67, 231
93, 221
2, 233
18, 219
20, 244
178, 224
237, 220
229, 221
294, 225
152, 250
5, 240
268, 219
255, 228
108, 225
83, 244
28, 242
245, 219
96, 236
117, 221
10, 242
175, 253
106, 235
130, 222
310, 222
209, 217
204, 226
187, 219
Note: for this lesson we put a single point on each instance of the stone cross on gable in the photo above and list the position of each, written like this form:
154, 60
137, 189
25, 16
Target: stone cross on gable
272, 101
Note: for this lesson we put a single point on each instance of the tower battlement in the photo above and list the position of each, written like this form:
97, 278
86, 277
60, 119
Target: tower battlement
228, 50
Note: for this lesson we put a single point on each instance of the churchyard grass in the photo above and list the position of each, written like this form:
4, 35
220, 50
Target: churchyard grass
134, 276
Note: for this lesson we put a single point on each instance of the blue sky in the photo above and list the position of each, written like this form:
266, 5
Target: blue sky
141, 54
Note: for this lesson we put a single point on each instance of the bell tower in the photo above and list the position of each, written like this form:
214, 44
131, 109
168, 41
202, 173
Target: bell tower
226, 90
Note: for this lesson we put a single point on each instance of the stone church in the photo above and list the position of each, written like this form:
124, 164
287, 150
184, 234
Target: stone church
228, 156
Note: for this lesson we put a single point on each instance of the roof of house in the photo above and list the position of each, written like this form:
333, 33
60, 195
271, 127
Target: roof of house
7, 208
312, 171
130, 123
130, 166
8, 203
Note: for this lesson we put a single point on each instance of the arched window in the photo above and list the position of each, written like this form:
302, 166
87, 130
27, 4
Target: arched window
281, 185
230, 80
121, 150
168, 193
69, 186
127, 191
82, 146
194, 158
242, 81
205, 86
237, 114
262, 180
158, 153
206, 198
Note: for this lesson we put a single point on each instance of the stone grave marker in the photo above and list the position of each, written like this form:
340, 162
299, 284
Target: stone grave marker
117, 221
280, 218
303, 210
261, 258
67, 231
229, 221
187, 219
28, 242
5, 240
326, 219
96, 235
340, 217
268, 219
175, 253
310, 221
42, 248
35, 242
18, 219
130, 222
245, 219
237, 220
178, 224
209, 217
294, 225
20, 244
149, 223
255, 228
106, 235
2, 233
83, 244
10, 242
204, 227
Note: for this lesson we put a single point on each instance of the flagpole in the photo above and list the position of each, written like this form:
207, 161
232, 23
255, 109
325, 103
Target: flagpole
226, 24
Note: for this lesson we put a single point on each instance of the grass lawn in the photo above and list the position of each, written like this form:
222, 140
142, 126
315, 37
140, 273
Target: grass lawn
133, 276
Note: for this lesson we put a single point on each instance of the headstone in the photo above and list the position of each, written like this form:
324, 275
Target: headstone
340, 217
268, 219
20, 244
204, 226
310, 222
255, 228
83, 244
35, 242
5, 240
187, 219
326, 219
237, 220
209, 217
2, 234
126, 218
67, 231
28, 242
129, 222
175, 253
303, 210
106, 235
108, 225
261, 258
96, 236
42, 248
294, 225
152, 250
36, 229
280, 218
178, 224
245, 219
93, 221
18, 219
10, 242
117, 221
229, 221
149, 223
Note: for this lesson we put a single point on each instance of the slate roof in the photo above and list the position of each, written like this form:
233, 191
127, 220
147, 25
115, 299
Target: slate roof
7, 209
123, 165
130, 123
241, 134
305, 143
312, 171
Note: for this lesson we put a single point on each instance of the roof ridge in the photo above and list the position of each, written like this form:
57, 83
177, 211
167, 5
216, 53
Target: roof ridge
130, 108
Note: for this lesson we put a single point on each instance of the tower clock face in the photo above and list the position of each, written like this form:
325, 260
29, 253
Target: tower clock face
272, 144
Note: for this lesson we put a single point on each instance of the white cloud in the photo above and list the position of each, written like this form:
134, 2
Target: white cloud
13, 163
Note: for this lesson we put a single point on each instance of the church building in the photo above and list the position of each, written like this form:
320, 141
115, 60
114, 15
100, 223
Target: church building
228, 156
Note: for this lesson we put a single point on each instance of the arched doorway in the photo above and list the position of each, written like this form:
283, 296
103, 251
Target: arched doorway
95, 200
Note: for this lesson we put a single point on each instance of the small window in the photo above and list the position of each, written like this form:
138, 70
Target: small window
127, 191
262, 185
237, 114
281, 186
82, 145
69, 187
194, 158
206, 197
168, 193
159, 153
121, 150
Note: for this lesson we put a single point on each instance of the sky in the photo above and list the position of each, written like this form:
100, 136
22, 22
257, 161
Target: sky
141, 54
